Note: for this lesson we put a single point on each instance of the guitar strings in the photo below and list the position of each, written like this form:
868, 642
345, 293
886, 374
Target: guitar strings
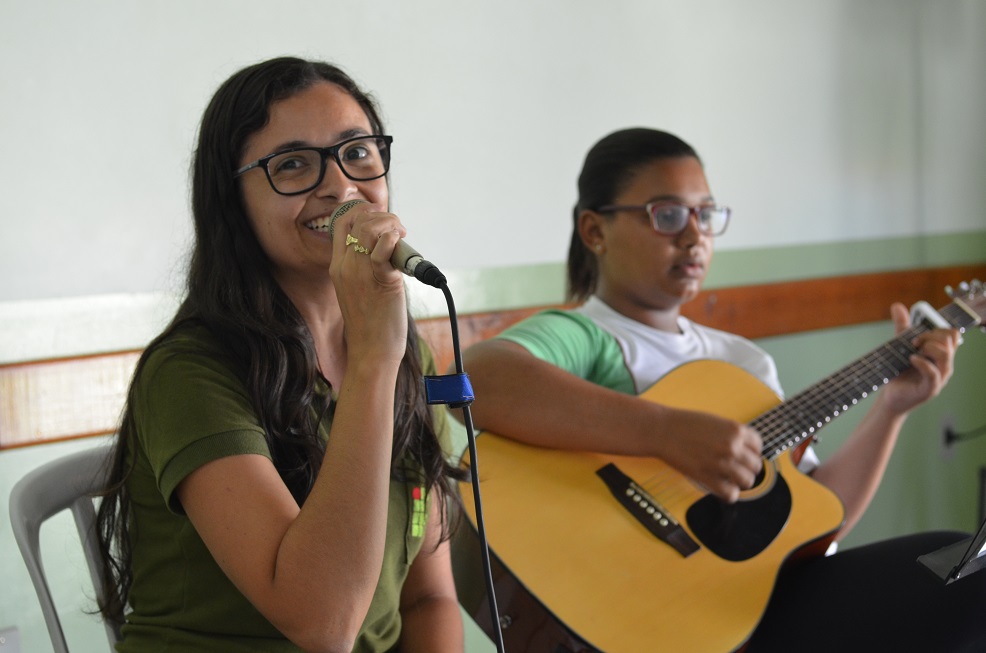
791, 423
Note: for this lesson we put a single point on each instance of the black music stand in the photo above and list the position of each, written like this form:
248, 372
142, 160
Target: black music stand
958, 560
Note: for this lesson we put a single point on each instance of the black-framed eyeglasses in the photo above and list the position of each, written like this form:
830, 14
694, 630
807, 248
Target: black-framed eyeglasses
671, 219
300, 169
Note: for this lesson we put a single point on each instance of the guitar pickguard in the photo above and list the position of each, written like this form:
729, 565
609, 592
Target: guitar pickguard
739, 531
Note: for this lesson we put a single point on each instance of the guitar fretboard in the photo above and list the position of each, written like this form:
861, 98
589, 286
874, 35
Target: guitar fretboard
801, 417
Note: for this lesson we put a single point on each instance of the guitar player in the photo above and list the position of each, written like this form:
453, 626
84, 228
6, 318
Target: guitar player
642, 242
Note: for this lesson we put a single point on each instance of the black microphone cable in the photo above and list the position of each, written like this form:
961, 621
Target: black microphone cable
462, 398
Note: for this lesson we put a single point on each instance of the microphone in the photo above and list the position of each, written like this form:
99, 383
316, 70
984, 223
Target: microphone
405, 258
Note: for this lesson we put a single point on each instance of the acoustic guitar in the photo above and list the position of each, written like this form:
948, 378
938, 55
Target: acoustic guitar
595, 552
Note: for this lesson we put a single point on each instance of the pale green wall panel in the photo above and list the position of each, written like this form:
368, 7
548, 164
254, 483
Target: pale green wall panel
767, 265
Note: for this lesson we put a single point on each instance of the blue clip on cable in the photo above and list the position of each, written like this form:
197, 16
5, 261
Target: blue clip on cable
452, 389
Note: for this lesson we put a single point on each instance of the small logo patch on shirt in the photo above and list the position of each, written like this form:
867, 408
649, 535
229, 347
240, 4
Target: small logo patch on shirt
419, 513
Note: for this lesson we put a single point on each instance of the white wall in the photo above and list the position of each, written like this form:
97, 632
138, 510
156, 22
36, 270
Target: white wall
819, 121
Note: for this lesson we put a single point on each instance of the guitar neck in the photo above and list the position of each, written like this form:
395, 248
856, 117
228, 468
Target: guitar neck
801, 417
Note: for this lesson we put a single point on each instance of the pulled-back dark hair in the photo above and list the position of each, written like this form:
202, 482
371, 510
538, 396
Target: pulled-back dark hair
609, 166
232, 293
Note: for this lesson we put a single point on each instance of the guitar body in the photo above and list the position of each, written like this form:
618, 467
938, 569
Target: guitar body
576, 570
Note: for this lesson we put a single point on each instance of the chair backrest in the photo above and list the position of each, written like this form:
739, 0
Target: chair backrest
65, 483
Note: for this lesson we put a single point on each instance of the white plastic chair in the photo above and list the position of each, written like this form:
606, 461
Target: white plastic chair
65, 483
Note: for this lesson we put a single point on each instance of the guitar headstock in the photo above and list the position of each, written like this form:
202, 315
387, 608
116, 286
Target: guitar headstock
971, 298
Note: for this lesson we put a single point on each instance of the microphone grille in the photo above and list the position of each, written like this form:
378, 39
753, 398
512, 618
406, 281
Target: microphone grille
339, 212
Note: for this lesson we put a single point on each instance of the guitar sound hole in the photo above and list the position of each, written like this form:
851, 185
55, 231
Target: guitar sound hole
761, 475
739, 531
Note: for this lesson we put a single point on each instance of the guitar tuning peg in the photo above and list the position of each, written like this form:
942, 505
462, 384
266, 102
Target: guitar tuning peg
950, 292
964, 287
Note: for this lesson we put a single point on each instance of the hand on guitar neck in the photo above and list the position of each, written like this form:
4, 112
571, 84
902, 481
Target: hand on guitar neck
855, 470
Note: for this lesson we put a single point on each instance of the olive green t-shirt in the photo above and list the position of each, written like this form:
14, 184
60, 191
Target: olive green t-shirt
190, 409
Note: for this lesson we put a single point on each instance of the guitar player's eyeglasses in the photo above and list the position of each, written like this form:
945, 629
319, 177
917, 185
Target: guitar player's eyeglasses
671, 219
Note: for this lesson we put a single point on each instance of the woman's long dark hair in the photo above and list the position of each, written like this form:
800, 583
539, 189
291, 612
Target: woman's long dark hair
232, 293
609, 166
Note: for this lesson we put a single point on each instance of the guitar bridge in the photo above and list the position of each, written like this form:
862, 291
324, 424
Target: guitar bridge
646, 510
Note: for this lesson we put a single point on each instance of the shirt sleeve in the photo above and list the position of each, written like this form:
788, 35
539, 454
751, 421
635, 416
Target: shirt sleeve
190, 410
575, 344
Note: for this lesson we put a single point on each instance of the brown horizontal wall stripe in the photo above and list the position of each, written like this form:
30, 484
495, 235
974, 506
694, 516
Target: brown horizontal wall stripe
43, 401
58, 399
798, 306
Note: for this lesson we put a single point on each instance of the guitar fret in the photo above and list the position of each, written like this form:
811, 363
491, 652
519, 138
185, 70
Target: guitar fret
882, 371
959, 317
800, 418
